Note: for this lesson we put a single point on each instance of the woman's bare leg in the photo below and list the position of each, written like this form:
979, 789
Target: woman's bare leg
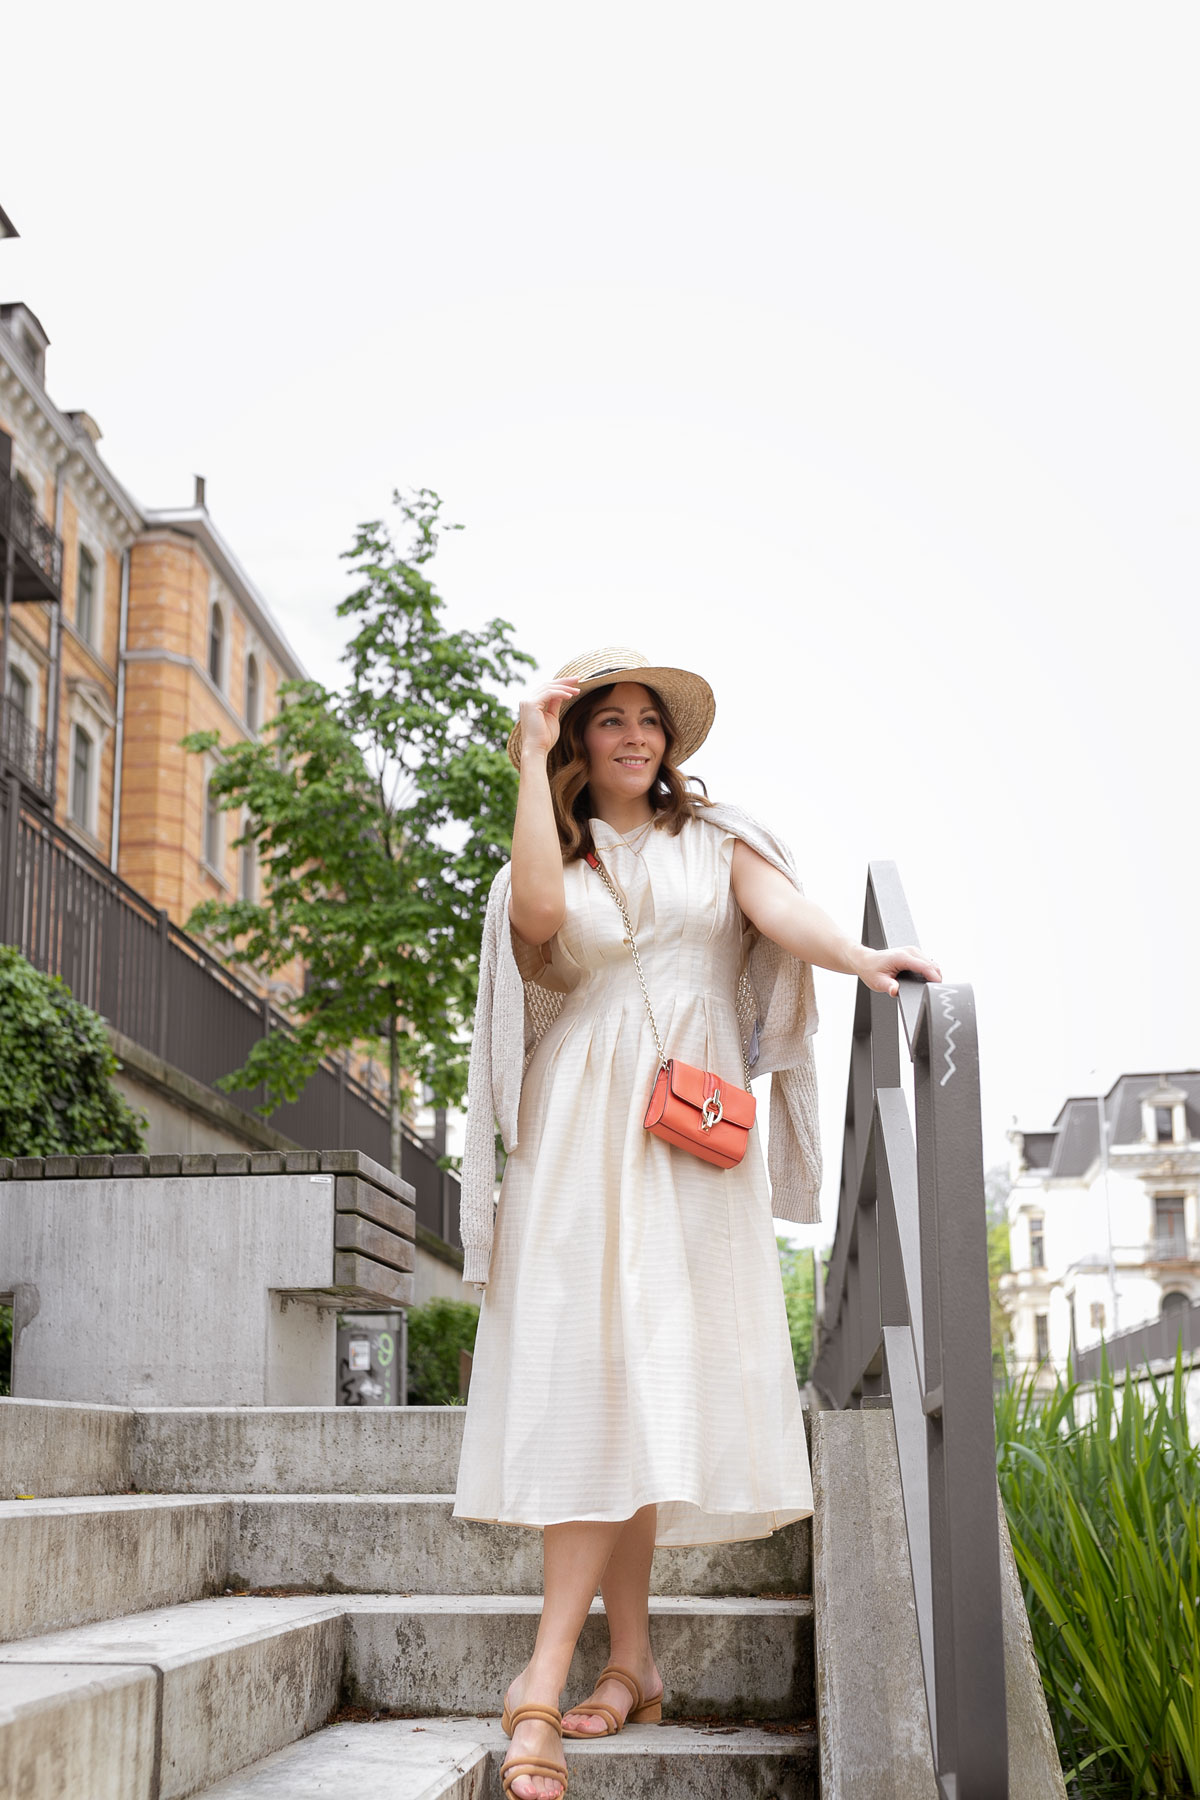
575, 1556
626, 1590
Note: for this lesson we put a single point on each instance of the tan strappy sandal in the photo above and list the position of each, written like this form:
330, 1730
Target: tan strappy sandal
533, 1766
642, 1712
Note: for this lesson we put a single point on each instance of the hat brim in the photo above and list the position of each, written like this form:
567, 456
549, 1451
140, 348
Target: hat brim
687, 696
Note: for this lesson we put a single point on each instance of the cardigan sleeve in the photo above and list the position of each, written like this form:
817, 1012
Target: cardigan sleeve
479, 1144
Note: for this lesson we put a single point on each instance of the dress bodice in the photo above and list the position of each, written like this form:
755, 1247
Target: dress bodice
689, 928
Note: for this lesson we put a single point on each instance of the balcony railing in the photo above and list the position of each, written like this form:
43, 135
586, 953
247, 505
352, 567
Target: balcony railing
37, 566
24, 751
71, 916
1141, 1346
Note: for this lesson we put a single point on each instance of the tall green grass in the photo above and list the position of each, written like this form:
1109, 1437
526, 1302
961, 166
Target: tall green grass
1104, 1514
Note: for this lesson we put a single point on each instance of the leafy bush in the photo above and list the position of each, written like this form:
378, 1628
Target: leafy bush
796, 1268
436, 1334
1104, 1512
56, 1069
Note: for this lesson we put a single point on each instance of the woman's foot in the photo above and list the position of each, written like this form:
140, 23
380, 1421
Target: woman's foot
616, 1695
533, 1738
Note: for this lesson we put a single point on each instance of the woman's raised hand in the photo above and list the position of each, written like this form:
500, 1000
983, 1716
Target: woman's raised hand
539, 716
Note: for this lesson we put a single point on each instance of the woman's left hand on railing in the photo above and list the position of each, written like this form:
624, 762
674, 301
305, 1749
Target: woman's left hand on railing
879, 968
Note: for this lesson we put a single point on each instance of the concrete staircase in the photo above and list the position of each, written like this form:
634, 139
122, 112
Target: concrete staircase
254, 1603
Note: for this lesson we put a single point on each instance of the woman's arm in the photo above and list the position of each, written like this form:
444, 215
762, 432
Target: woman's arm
771, 903
537, 903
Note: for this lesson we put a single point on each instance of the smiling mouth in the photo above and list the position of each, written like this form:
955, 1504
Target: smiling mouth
633, 762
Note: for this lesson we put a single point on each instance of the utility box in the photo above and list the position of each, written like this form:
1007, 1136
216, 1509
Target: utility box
371, 1359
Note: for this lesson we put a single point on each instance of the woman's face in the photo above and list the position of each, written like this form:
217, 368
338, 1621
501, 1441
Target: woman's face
625, 742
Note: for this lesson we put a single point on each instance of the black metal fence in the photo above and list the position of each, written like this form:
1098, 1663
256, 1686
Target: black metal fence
906, 1316
71, 916
1142, 1345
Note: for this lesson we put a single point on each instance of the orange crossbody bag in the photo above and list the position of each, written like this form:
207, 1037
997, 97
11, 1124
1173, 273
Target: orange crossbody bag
691, 1108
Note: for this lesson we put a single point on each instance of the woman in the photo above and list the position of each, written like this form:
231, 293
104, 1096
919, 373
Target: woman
633, 1382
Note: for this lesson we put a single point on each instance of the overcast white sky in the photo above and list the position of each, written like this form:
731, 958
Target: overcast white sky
848, 355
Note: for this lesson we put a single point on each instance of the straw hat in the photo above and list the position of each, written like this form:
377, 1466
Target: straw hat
688, 697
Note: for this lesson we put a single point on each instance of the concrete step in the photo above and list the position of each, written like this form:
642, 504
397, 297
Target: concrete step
298, 1449
443, 1653
53, 1448
411, 1543
229, 1679
444, 1759
108, 1751
69, 1562
218, 1684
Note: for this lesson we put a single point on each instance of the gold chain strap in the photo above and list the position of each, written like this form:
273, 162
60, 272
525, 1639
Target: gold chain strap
637, 963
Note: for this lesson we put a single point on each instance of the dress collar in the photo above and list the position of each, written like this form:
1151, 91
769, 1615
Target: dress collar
606, 837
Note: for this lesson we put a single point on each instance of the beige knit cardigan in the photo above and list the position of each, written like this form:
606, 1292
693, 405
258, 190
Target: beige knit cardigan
514, 1010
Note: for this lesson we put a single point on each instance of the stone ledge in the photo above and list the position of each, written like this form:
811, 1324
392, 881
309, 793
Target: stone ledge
340, 1163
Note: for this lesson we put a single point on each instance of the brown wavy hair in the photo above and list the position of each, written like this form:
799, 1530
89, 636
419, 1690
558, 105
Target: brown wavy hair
567, 766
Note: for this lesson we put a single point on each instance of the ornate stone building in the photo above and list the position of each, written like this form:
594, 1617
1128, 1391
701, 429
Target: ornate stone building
1103, 1216
123, 628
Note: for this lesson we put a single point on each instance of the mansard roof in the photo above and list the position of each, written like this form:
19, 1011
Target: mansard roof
1069, 1149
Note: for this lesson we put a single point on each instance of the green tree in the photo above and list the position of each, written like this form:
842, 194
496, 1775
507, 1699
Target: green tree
380, 813
796, 1268
436, 1334
56, 1067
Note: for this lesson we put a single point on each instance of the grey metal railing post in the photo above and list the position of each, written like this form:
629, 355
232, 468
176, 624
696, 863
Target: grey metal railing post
12, 844
265, 1014
164, 949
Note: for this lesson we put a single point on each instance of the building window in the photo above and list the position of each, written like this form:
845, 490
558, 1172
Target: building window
1041, 1326
212, 828
248, 869
81, 778
1037, 1242
1096, 1315
85, 595
17, 742
1169, 1241
216, 644
1163, 1125
18, 692
251, 694
1174, 1301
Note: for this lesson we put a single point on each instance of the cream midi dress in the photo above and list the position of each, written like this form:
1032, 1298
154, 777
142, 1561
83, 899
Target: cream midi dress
633, 1343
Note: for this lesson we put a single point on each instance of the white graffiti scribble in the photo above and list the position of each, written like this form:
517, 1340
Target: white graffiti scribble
945, 996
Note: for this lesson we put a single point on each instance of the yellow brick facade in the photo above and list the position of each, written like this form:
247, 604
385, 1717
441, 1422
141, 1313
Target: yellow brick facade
177, 569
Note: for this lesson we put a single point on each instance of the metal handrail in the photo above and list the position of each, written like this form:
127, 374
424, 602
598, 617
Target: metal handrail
1143, 1346
906, 1317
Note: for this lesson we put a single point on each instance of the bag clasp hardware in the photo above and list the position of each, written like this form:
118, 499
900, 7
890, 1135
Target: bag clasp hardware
712, 1112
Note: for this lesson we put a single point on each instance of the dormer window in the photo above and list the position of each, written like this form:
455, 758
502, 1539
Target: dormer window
1164, 1114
